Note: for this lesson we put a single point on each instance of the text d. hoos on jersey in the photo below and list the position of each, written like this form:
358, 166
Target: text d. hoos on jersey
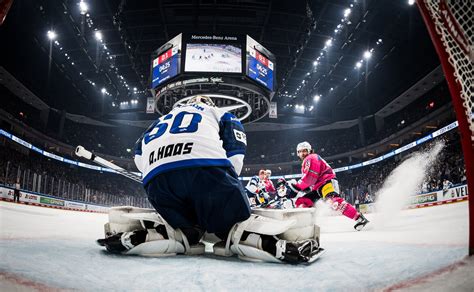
171, 150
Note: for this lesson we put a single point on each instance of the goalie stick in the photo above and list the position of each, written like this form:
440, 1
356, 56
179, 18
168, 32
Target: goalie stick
82, 152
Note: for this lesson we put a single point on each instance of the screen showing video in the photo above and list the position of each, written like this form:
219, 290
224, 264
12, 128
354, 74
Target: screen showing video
223, 58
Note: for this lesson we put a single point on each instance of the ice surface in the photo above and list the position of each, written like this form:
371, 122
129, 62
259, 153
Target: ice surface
44, 249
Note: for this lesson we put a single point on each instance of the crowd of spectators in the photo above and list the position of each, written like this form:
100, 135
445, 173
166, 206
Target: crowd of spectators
43, 175
117, 141
263, 147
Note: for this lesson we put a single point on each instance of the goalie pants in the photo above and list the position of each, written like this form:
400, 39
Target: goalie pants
208, 199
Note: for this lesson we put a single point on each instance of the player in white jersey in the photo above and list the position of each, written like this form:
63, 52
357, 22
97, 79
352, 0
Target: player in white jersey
255, 189
190, 160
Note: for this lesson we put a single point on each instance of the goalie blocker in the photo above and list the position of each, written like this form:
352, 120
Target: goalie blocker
279, 236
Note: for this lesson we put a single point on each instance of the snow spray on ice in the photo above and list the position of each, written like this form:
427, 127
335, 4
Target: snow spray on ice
402, 183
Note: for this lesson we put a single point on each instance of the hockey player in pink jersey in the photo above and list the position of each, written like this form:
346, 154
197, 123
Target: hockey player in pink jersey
319, 180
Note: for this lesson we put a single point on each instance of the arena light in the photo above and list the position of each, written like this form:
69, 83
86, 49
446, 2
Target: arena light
358, 64
103, 90
83, 7
51, 34
315, 63
411, 2
347, 12
367, 55
329, 42
98, 35
134, 89
317, 97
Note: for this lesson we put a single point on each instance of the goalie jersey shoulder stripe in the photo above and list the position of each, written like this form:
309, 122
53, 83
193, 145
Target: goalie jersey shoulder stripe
189, 136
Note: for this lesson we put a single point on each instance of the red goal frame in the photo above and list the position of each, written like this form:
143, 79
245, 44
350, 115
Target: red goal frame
464, 130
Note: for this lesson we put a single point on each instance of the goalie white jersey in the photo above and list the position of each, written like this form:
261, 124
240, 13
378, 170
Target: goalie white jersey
195, 135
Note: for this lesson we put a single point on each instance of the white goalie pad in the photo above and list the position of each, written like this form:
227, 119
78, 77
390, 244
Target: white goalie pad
304, 228
125, 219
291, 225
120, 223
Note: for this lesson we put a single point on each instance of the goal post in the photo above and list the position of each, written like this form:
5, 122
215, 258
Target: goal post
451, 28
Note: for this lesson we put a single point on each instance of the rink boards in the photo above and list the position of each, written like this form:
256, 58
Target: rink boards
32, 198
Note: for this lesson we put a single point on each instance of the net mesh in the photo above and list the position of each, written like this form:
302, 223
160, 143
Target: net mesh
454, 23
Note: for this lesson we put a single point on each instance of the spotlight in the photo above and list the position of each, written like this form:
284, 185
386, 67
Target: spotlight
103, 90
328, 42
411, 2
317, 97
51, 34
98, 35
315, 63
347, 12
358, 64
367, 55
83, 7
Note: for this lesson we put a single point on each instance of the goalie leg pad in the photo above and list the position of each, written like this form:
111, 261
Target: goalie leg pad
119, 223
127, 220
287, 227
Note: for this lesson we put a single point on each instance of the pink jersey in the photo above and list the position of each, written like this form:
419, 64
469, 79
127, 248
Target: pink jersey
316, 171
269, 187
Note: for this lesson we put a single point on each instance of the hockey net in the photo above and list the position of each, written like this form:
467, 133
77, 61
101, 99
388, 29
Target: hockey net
450, 24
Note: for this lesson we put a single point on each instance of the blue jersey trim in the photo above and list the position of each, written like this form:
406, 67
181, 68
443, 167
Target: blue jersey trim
232, 153
189, 163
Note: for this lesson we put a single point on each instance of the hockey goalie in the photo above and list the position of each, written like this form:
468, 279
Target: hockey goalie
190, 160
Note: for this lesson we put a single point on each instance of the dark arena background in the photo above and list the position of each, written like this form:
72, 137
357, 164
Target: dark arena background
381, 89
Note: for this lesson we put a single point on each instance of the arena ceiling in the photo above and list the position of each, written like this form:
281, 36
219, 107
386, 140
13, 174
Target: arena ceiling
101, 56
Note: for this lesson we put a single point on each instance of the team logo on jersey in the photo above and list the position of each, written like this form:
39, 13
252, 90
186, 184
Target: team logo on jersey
170, 150
307, 164
240, 136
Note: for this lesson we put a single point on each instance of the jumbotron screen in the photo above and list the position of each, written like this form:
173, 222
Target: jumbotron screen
223, 58
167, 64
259, 67
235, 57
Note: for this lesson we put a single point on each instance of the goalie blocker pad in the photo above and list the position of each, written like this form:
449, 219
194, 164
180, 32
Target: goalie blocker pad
126, 219
291, 225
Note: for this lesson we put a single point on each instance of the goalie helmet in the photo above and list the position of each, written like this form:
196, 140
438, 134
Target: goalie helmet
303, 145
200, 99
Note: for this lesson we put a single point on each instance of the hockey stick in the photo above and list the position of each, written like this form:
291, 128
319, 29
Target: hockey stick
82, 152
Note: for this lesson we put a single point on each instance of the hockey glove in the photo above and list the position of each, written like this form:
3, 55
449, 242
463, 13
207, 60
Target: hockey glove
292, 190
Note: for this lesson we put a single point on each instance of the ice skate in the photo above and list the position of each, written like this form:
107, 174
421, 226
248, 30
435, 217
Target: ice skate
361, 222
298, 252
